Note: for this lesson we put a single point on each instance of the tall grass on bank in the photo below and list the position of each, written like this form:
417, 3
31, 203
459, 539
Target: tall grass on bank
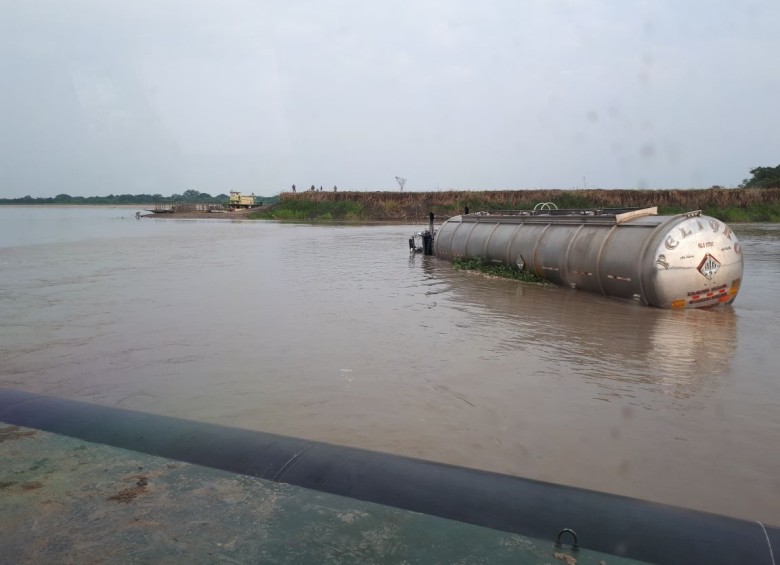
730, 205
311, 209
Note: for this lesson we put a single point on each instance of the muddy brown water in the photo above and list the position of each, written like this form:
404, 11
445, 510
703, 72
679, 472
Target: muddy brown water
336, 333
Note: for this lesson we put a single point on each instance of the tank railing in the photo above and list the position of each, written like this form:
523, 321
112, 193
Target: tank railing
561, 212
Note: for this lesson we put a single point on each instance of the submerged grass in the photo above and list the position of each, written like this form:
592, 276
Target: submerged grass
482, 265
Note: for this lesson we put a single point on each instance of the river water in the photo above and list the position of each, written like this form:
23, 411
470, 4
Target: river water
336, 333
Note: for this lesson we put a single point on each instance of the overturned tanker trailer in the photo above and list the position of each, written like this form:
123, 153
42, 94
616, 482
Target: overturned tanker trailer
683, 261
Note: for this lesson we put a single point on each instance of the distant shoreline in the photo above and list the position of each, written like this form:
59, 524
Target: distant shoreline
227, 215
729, 205
48, 205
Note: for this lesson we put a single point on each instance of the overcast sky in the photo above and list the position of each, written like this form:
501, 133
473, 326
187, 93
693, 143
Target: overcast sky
161, 96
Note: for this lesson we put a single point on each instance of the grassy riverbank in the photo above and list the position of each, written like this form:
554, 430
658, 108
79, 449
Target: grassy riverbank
729, 205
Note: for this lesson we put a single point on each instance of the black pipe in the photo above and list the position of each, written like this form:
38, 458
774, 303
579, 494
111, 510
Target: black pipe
607, 523
427, 239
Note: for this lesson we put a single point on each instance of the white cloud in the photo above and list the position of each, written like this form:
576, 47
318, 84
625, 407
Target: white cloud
257, 96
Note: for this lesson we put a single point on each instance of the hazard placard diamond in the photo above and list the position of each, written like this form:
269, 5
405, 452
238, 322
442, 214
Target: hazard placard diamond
709, 266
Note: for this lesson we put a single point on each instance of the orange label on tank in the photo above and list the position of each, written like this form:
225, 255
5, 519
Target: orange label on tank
678, 303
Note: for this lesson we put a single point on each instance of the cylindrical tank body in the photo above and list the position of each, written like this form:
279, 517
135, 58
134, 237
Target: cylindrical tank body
683, 261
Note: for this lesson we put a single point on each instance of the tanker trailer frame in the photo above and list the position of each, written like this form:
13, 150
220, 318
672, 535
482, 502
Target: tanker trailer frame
680, 261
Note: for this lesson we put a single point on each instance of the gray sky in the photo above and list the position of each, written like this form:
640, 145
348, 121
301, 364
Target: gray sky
100, 96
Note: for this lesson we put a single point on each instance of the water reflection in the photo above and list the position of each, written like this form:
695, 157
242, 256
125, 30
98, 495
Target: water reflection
761, 248
605, 341
337, 334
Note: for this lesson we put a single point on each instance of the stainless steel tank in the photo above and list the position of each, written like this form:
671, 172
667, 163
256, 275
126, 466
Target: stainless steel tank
683, 261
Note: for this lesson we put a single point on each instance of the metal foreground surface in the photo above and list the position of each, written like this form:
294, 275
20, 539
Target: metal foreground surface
64, 500
401, 495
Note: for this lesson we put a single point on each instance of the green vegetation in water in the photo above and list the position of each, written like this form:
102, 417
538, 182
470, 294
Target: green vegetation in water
482, 265
301, 209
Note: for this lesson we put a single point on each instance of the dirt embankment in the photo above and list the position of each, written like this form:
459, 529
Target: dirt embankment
203, 215
409, 203
733, 205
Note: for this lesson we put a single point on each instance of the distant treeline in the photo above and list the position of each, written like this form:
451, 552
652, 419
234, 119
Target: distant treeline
731, 205
187, 196
118, 199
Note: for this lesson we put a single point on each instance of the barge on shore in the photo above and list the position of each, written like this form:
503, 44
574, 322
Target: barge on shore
682, 261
